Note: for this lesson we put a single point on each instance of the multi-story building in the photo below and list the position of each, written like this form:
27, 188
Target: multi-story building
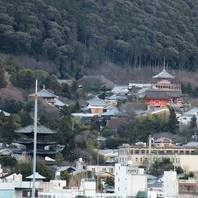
129, 180
143, 155
188, 187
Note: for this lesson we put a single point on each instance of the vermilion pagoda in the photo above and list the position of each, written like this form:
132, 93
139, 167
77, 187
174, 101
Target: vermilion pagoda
163, 93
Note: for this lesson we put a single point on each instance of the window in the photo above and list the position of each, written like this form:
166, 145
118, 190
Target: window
136, 151
142, 151
136, 159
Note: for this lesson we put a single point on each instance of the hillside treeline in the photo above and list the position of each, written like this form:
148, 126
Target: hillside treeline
83, 34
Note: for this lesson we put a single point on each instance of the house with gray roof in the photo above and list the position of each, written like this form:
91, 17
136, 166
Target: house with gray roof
5, 113
185, 119
115, 112
95, 105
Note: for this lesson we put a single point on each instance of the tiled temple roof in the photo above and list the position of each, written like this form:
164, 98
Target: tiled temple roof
40, 129
164, 74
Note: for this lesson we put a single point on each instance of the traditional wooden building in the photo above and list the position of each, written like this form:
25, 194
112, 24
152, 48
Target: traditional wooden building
95, 106
47, 147
163, 93
49, 98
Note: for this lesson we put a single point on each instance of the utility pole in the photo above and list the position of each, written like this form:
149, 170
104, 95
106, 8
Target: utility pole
35, 140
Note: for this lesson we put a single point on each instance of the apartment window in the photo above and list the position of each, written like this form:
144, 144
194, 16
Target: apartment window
140, 159
136, 159
181, 152
142, 151
136, 151
93, 170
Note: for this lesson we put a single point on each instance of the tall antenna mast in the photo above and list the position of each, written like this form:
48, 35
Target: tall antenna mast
35, 140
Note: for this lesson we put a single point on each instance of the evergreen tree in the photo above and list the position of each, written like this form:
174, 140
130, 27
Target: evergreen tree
193, 122
189, 89
173, 122
3, 82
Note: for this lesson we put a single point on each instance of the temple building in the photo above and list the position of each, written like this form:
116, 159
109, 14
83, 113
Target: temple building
49, 98
47, 147
163, 93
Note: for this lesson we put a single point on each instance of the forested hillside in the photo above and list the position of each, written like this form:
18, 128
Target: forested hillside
75, 35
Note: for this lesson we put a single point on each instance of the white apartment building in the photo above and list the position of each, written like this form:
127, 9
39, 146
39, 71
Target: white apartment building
170, 184
129, 180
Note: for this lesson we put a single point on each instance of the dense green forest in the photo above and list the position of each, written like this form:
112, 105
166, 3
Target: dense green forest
83, 34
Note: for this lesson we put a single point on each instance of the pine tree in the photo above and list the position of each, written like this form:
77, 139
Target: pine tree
173, 122
193, 123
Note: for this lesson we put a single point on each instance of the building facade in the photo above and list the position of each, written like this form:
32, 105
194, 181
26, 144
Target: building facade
129, 180
145, 155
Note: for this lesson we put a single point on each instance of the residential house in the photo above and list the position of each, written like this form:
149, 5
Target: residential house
185, 119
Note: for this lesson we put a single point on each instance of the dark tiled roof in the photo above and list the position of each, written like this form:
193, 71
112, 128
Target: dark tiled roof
44, 94
113, 112
40, 129
96, 102
164, 74
91, 80
163, 94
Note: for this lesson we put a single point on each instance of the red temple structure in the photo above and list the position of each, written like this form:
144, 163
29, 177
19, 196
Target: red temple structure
163, 93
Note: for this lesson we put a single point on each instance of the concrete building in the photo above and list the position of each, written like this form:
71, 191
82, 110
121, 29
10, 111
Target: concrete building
142, 155
129, 180
170, 184
188, 188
